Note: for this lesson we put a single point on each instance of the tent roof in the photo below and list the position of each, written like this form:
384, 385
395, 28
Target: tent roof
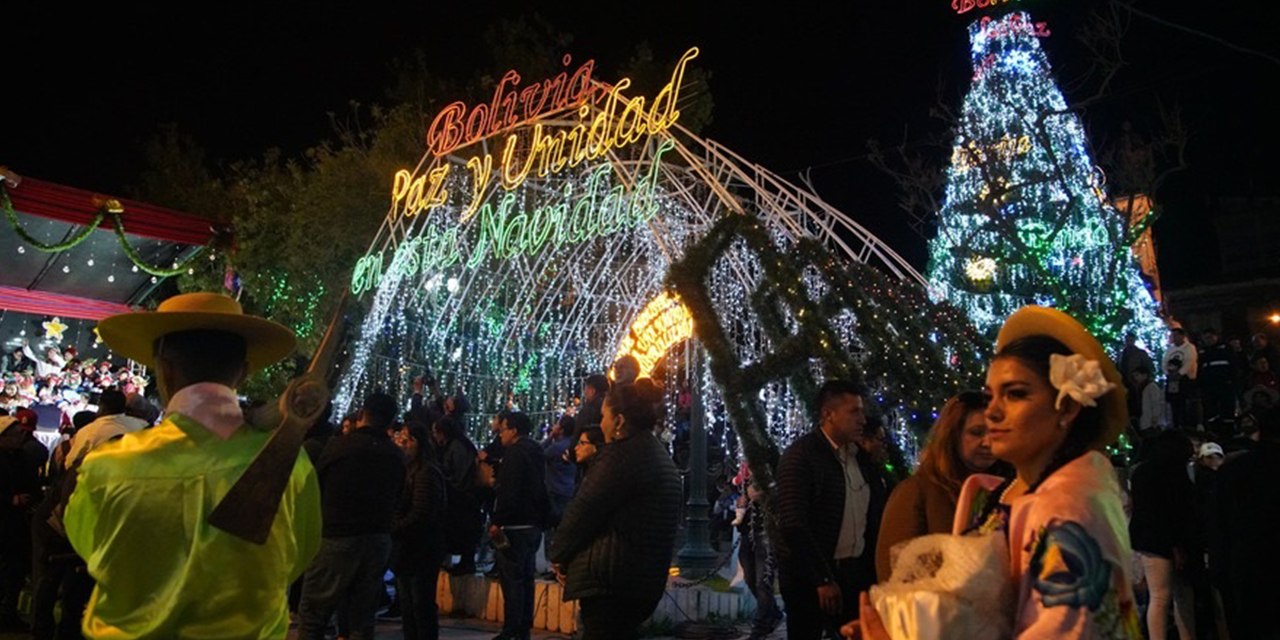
74, 283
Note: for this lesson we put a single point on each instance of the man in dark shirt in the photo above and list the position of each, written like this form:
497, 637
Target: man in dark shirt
361, 475
519, 509
1217, 378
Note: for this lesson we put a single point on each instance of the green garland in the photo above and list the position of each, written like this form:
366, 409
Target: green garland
916, 352
50, 248
137, 260
83, 234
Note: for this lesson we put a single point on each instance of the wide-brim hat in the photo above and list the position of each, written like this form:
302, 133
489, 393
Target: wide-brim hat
1043, 321
133, 335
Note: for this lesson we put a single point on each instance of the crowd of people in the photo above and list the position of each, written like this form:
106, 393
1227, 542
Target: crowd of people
112, 526
61, 380
1209, 384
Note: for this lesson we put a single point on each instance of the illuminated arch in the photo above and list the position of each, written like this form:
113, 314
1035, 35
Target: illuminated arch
514, 277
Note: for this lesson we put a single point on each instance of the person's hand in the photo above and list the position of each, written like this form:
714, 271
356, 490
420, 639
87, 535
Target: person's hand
829, 598
493, 531
21, 499
485, 475
868, 626
560, 574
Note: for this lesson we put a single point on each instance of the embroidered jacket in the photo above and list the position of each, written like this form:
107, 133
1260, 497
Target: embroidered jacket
1069, 551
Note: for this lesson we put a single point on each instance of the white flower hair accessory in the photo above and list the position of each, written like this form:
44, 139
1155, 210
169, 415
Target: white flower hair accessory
1078, 377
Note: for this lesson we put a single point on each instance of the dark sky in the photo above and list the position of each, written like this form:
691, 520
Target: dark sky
798, 85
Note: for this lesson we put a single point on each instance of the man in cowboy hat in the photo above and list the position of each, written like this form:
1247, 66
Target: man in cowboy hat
139, 513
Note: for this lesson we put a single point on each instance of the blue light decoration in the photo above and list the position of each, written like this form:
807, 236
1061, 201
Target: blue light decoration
1026, 218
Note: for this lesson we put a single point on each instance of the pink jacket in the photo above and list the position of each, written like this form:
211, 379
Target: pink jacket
1069, 551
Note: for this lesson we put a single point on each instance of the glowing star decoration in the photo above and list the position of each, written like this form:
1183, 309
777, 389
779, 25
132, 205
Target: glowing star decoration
53, 329
664, 322
980, 270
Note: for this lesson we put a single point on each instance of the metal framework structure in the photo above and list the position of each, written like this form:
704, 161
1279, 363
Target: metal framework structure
523, 329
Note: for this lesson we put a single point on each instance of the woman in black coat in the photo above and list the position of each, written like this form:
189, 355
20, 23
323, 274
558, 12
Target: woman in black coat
457, 457
614, 544
418, 534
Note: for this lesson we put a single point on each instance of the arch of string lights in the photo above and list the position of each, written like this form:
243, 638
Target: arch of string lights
519, 251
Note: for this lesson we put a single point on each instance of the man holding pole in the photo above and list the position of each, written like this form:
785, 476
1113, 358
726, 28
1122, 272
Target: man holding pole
138, 515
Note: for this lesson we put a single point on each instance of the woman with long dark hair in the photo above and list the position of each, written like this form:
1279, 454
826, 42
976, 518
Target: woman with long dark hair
925, 503
1055, 403
614, 544
418, 533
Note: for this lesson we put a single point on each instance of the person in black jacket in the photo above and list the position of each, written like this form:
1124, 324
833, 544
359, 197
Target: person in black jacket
361, 475
614, 545
418, 534
457, 457
519, 510
829, 516
1164, 532
1244, 545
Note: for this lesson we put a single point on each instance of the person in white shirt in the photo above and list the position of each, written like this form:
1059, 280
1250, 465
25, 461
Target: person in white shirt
1154, 413
112, 422
1180, 367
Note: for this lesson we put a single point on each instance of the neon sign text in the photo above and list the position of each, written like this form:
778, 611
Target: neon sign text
664, 322
965, 6
601, 209
572, 215
544, 151
456, 125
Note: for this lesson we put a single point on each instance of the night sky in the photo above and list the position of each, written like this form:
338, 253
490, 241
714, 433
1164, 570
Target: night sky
796, 86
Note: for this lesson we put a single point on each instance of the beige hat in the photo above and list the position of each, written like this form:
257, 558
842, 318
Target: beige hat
1043, 321
133, 335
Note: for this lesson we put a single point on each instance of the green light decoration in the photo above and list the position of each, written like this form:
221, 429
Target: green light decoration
1025, 218
80, 236
824, 318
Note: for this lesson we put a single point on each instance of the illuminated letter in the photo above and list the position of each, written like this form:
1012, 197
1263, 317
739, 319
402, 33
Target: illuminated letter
481, 174
400, 188
445, 133
527, 97
477, 123
580, 86
660, 116
496, 120
512, 180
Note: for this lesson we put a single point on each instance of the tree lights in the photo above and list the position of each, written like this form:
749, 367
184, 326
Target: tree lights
1025, 218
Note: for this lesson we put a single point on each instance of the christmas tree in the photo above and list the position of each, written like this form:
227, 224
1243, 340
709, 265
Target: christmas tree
1026, 218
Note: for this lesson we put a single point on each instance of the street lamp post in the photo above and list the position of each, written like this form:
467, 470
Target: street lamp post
696, 559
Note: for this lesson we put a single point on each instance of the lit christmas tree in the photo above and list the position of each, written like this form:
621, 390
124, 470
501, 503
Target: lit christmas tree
1026, 219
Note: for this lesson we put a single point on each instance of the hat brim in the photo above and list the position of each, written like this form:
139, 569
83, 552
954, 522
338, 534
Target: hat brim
1044, 321
133, 335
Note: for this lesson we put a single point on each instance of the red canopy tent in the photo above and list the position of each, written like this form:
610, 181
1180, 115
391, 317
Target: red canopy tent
96, 276
55, 284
